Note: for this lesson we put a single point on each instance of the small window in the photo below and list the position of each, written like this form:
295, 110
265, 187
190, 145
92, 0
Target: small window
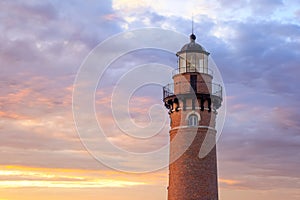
193, 120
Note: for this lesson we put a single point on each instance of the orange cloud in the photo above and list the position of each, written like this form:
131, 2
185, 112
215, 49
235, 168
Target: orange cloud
23, 177
229, 181
110, 17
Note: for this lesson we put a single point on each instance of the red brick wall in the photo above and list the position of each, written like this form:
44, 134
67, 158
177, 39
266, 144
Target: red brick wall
191, 177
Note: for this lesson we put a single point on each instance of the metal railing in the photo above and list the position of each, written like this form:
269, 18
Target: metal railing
193, 69
197, 88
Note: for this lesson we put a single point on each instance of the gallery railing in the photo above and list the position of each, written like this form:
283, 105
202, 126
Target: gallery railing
196, 88
202, 70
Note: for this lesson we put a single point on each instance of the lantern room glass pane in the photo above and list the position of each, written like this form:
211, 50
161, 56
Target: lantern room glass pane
193, 62
182, 63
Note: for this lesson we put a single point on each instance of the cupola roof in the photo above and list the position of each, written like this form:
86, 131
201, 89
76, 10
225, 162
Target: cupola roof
193, 46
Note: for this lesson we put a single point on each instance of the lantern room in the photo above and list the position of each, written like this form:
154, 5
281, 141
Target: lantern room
193, 58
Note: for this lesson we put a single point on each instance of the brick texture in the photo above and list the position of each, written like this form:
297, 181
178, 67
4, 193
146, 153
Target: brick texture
192, 177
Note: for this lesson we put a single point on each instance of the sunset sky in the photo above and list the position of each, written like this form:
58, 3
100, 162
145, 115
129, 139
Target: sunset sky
254, 43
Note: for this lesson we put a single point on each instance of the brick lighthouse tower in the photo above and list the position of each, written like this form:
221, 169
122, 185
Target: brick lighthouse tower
192, 100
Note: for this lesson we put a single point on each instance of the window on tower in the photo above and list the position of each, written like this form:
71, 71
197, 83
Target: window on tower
193, 120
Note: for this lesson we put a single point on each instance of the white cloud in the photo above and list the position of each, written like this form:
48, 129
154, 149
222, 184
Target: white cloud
184, 9
224, 32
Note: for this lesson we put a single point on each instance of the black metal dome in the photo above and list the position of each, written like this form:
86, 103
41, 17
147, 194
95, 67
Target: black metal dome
193, 46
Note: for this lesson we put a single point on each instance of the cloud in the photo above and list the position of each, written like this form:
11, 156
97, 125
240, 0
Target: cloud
267, 142
43, 45
261, 59
255, 44
22, 177
265, 6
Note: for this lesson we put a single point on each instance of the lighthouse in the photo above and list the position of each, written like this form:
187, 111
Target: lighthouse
192, 101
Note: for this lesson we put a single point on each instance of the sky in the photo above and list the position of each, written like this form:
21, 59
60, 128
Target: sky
254, 43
